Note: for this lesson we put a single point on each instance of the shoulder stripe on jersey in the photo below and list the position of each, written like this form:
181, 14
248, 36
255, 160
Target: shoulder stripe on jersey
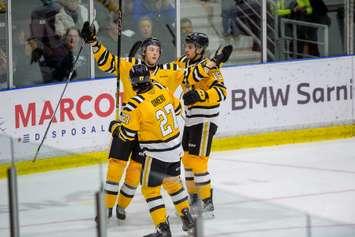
175, 67
197, 74
112, 66
140, 97
159, 85
218, 93
136, 100
222, 92
128, 107
178, 108
131, 104
103, 58
213, 84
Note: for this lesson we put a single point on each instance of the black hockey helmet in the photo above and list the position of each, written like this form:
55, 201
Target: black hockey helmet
150, 41
199, 39
140, 77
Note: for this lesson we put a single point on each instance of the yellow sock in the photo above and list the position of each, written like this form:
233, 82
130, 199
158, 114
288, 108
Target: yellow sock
177, 193
113, 177
202, 177
155, 204
128, 189
189, 175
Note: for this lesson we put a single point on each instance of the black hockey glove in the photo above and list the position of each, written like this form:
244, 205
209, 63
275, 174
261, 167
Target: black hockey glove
36, 55
88, 33
223, 56
114, 128
193, 96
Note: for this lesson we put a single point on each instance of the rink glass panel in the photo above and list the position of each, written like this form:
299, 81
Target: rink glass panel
141, 20
224, 21
28, 73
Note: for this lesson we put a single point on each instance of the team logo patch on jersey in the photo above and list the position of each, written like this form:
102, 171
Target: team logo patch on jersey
124, 118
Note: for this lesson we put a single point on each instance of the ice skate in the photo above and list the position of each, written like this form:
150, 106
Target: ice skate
163, 230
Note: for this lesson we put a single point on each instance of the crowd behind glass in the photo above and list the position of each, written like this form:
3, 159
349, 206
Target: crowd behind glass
46, 33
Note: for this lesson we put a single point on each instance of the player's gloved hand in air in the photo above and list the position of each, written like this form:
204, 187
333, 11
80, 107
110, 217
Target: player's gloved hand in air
114, 128
88, 33
222, 56
193, 96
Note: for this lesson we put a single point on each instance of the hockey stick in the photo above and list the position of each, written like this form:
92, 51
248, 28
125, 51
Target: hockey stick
119, 25
134, 49
60, 99
172, 34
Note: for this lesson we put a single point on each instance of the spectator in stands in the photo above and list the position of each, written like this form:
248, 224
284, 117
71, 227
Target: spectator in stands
45, 43
72, 43
229, 16
145, 27
61, 63
162, 15
25, 73
310, 11
109, 36
71, 14
159, 10
186, 26
3, 6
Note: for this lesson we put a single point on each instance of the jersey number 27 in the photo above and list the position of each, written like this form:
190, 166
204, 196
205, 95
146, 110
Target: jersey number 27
162, 117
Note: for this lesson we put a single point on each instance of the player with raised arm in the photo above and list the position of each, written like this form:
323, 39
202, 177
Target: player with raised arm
151, 116
203, 93
167, 74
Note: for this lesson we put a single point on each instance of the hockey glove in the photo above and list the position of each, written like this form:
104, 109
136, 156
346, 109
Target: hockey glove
193, 96
223, 56
88, 33
114, 128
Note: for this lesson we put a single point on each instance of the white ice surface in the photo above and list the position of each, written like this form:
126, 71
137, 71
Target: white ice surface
274, 191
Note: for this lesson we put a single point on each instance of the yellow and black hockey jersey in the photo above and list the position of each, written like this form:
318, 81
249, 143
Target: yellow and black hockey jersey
212, 83
153, 117
169, 75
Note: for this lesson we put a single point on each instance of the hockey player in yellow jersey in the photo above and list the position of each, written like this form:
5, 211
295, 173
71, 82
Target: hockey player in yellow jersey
168, 75
204, 91
151, 116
